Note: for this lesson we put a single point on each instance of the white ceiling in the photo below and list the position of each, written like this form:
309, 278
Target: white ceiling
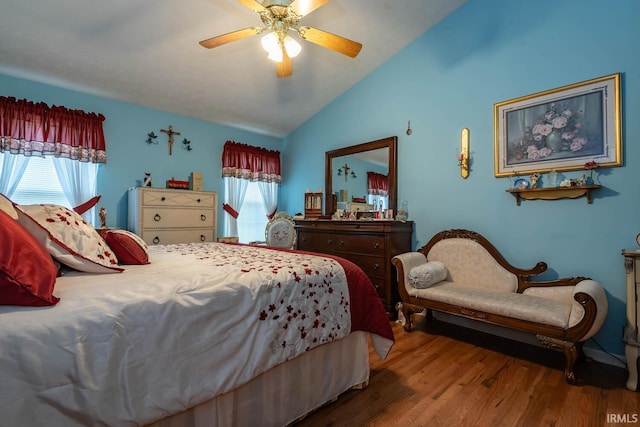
146, 52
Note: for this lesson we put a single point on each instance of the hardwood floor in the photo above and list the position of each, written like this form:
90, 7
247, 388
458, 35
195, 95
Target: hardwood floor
445, 375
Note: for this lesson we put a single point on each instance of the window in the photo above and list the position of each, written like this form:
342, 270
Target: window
40, 184
252, 220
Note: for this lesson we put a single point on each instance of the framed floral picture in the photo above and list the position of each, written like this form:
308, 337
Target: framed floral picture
560, 129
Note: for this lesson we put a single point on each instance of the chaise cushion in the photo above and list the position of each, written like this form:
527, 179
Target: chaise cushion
510, 304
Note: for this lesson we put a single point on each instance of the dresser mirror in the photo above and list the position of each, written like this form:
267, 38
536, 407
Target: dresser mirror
346, 171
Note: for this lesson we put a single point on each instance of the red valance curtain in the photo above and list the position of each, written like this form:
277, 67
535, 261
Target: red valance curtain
31, 128
377, 184
251, 163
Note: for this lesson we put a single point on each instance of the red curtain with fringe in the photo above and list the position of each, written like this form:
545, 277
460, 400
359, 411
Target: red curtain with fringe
377, 184
250, 162
34, 128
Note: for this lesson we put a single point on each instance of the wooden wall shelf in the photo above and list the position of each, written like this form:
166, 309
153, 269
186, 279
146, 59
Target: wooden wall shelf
554, 193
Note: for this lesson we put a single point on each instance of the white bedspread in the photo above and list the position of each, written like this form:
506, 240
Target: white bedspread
130, 348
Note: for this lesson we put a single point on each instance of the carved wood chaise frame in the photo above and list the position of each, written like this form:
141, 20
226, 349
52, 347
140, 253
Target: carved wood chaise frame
563, 339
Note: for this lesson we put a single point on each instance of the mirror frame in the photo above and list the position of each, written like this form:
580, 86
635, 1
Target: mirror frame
389, 142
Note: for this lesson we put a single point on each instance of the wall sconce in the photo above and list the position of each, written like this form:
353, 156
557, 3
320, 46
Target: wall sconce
463, 153
346, 170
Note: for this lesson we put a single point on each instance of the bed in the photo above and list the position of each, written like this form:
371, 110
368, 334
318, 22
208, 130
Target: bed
197, 334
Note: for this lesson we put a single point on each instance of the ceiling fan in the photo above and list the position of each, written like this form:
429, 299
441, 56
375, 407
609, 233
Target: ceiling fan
279, 18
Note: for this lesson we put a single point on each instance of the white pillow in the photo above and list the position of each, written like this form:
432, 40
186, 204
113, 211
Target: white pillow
68, 238
427, 274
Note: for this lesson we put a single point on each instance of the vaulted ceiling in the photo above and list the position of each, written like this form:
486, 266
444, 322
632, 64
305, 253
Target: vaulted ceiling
146, 52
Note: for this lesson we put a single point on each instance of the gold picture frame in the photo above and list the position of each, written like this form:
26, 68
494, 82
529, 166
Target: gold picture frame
560, 129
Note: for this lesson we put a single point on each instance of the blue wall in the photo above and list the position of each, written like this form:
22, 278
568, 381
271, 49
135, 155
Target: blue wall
129, 156
486, 52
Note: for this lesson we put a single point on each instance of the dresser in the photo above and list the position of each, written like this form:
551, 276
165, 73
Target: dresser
368, 244
163, 216
631, 334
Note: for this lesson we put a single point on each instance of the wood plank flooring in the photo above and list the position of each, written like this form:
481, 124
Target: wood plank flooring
446, 375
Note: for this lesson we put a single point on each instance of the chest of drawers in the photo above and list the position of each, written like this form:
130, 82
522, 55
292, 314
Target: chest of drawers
368, 244
163, 216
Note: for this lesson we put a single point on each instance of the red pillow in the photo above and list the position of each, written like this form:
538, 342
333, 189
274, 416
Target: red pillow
27, 272
127, 246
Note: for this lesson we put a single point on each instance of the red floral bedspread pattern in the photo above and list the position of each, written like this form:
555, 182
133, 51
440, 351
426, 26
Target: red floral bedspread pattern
306, 297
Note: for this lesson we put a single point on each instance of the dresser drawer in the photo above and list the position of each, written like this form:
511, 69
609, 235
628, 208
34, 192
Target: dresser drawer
372, 244
372, 265
380, 285
154, 217
178, 198
165, 237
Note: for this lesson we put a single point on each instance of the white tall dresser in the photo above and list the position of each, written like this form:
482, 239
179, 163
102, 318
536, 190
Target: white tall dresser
164, 215
631, 334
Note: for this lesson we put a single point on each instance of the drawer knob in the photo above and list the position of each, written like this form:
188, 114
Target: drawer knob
157, 217
340, 242
198, 200
376, 245
329, 241
203, 217
376, 266
203, 238
163, 198
156, 240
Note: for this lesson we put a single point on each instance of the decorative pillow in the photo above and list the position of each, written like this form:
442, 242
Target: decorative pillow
68, 238
7, 206
82, 208
128, 247
427, 274
27, 272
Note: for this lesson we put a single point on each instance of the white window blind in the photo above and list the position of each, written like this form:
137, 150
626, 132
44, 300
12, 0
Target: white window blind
252, 220
40, 184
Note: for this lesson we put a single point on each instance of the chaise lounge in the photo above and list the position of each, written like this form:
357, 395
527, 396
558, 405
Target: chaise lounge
460, 272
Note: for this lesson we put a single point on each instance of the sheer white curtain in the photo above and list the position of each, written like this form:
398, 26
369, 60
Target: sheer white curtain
78, 181
234, 191
269, 193
12, 168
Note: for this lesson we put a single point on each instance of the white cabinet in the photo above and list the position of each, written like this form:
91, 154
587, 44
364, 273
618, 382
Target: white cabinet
631, 335
163, 216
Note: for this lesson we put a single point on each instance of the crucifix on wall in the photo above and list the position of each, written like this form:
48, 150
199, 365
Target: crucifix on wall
170, 132
346, 170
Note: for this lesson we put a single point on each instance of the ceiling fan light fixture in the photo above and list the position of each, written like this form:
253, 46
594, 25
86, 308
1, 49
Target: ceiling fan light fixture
275, 55
270, 42
292, 47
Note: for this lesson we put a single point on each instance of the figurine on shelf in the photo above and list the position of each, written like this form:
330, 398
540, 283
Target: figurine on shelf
534, 179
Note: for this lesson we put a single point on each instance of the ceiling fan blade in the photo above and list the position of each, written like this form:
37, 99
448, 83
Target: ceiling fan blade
230, 37
330, 41
305, 7
253, 5
284, 68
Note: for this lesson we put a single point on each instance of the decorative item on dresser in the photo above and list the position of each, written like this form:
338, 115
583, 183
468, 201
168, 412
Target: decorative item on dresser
631, 334
368, 244
313, 204
163, 216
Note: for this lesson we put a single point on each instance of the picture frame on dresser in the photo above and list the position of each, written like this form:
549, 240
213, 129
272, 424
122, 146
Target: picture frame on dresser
560, 129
